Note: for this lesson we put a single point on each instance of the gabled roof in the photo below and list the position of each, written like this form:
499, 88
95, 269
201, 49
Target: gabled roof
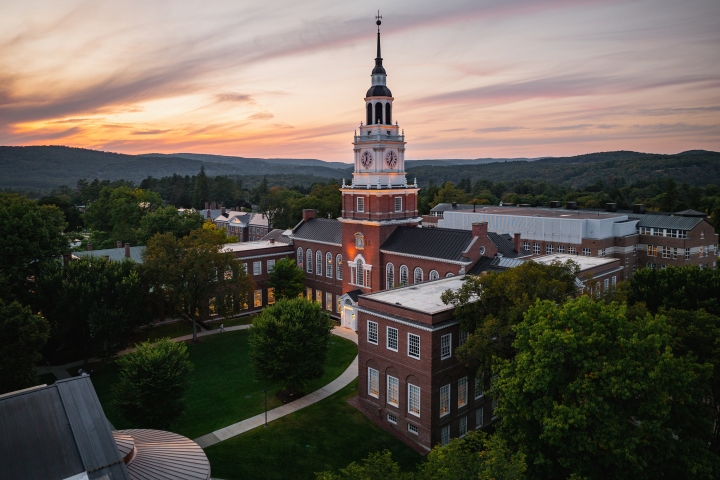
324, 230
506, 245
258, 219
279, 235
691, 213
441, 243
56, 432
666, 221
114, 254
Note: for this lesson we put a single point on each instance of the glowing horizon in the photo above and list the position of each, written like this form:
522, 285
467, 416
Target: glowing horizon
471, 79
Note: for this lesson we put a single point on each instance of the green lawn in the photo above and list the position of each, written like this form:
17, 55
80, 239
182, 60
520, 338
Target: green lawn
223, 389
171, 330
325, 436
231, 322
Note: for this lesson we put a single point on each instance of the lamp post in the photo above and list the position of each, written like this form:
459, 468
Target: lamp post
265, 392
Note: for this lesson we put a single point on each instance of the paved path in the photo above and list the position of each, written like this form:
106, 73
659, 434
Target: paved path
253, 422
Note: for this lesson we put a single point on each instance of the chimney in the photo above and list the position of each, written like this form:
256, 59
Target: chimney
207, 205
119, 244
272, 241
127, 250
555, 204
213, 206
571, 205
67, 256
480, 229
454, 204
516, 241
611, 207
89, 247
222, 210
308, 213
639, 208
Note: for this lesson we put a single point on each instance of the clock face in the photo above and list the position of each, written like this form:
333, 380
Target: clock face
366, 159
391, 159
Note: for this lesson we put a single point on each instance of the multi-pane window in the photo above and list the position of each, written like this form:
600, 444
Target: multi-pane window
665, 252
372, 332
445, 346
318, 262
398, 204
413, 345
417, 275
652, 250
606, 284
463, 426
403, 275
338, 267
413, 429
586, 252
389, 276
361, 204
309, 260
548, 249
572, 251
318, 296
358, 277
613, 281
308, 290
434, 275
392, 418
413, 400
337, 303
687, 254
328, 265
257, 268
300, 258
462, 392
271, 295
479, 418
393, 391
536, 248
479, 386
258, 298
445, 435
674, 253
444, 400
328, 301
373, 383
270, 265
526, 245
463, 336
392, 339
561, 249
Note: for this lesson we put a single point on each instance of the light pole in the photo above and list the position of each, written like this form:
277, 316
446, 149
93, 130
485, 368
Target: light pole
265, 392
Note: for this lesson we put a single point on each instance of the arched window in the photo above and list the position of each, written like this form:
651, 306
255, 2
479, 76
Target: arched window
300, 258
308, 260
338, 267
417, 275
378, 113
403, 275
388, 113
450, 275
318, 262
369, 114
328, 265
359, 273
389, 276
434, 275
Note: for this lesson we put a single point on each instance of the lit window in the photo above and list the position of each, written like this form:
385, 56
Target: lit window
413, 400
398, 204
392, 418
418, 275
359, 273
338, 267
393, 391
463, 336
463, 426
373, 383
308, 290
445, 346
271, 295
403, 275
392, 339
257, 268
434, 275
361, 204
389, 276
318, 296
444, 400
328, 301
372, 332
270, 265
318, 262
411, 428
462, 392
309, 260
413, 345
337, 303
652, 250
328, 265
479, 418
445, 435
536, 248
258, 298
479, 386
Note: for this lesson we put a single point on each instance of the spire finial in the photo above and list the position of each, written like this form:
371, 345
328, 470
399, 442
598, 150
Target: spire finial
378, 21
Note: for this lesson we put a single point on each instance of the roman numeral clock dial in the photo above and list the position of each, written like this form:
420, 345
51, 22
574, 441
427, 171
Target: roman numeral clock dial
391, 159
366, 159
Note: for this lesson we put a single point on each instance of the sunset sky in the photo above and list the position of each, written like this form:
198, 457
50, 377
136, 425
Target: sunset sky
474, 78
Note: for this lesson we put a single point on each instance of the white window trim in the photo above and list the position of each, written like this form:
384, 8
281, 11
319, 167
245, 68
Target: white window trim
387, 338
447, 336
372, 373
397, 398
398, 200
377, 334
445, 402
462, 397
408, 347
360, 205
257, 268
410, 390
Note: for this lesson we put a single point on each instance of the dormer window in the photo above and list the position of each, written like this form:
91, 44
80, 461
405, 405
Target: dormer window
359, 241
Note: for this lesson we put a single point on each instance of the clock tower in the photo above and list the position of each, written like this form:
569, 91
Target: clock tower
379, 199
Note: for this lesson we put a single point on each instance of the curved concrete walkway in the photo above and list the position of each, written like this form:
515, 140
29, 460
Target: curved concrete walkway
258, 420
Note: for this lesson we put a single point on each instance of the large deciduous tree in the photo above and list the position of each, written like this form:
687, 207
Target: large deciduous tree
287, 279
152, 384
22, 334
289, 342
93, 305
195, 274
168, 220
595, 394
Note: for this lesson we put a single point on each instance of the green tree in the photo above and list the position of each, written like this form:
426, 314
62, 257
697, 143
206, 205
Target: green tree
594, 394
490, 306
168, 220
287, 279
449, 193
201, 192
684, 288
22, 335
289, 342
31, 237
196, 275
64, 203
152, 382
93, 305
378, 465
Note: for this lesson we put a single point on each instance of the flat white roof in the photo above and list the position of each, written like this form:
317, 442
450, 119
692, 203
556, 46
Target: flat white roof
424, 297
250, 246
585, 262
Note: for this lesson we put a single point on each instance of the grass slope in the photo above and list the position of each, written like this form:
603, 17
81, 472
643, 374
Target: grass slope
326, 436
223, 389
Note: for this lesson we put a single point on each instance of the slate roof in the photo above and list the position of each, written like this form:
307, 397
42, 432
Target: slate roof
444, 243
114, 254
666, 221
279, 235
56, 432
506, 245
324, 230
691, 213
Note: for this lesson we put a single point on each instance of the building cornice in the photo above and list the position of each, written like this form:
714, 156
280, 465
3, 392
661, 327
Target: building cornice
409, 323
380, 222
293, 237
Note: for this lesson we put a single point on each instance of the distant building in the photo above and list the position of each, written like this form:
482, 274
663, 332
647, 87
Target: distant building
113, 254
